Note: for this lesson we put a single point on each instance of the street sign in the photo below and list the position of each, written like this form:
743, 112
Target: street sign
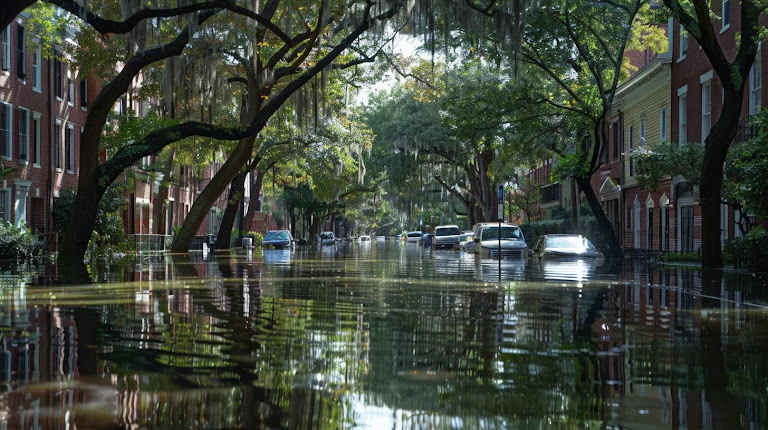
501, 202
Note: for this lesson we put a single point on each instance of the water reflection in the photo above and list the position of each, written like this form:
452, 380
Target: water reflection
383, 337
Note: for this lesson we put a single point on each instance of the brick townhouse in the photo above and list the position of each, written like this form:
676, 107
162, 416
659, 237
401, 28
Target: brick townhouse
43, 107
673, 97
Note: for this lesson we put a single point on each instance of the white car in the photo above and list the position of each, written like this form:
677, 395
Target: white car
487, 244
413, 237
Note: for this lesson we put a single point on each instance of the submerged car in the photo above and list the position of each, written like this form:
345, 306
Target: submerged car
364, 238
327, 238
494, 242
447, 236
413, 237
278, 239
466, 242
565, 247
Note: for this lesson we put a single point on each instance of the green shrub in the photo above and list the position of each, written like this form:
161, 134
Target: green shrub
532, 230
15, 241
682, 257
258, 239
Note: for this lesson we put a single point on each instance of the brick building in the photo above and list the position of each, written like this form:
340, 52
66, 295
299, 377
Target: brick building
43, 107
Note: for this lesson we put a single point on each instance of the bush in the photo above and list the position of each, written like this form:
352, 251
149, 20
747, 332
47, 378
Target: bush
532, 230
682, 257
15, 241
258, 239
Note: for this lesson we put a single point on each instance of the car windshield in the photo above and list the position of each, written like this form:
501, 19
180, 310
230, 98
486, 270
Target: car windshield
326, 235
414, 234
276, 235
447, 231
507, 232
569, 242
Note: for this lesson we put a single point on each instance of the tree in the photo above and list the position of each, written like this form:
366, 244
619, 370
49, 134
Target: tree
733, 70
284, 65
574, 53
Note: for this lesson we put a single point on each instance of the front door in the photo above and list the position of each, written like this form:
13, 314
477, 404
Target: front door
686, 228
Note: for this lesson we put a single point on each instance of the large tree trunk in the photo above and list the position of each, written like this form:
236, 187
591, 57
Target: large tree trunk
255, 191
11, 8
480, 187
603, 223
230, 212
716, 150
211, 192
159, 210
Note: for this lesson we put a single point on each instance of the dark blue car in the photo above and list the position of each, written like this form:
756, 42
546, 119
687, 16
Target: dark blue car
278, 239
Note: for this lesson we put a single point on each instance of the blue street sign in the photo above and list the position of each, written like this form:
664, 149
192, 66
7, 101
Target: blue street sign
501, 194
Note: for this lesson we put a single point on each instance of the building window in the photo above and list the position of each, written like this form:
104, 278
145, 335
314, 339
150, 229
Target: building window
682, 137
755, 82
21, 64
35, 156
5, 205
683, 43
706, 109
6, 60
726, 15
70, 89
23, 134
123, 105
649, 229
69, 147
36, 61
83, 92
616, 133
57, 144
663, 125
6, 115
631, 147
57, 75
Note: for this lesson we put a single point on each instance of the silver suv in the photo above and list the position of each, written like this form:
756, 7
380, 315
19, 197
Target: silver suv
447, 236
487, 244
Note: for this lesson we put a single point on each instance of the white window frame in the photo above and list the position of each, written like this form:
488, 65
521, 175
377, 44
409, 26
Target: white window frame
36, 124
643, 141
70, 87
8, 131
725, 15
636, 221
23, 53
37, 59
683, 44
755, 82
706, 105
70, 150
682, 115
58, 129
649, 204
24, 135
663, 125
6, 42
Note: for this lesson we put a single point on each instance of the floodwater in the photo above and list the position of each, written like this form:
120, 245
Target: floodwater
382, 336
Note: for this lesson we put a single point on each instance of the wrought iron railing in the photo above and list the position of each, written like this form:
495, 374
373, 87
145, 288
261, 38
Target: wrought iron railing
745, 131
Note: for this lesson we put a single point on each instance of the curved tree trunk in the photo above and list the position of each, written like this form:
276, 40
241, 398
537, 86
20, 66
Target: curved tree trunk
255, 191
604, 224
159, 209
211, 192
234, 200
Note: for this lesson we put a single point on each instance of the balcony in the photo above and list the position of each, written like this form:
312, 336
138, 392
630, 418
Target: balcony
550, 192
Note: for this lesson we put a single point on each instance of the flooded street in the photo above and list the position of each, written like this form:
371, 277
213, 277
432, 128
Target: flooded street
382, 336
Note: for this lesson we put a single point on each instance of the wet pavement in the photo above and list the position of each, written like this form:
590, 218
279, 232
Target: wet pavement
382, 335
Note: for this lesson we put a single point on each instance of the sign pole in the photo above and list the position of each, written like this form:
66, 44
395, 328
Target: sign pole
500, 209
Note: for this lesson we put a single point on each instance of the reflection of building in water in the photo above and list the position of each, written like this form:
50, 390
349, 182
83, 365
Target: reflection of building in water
661, 376
38, 345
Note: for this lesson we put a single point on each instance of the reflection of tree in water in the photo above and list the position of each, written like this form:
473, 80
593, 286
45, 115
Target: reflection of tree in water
451, 351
